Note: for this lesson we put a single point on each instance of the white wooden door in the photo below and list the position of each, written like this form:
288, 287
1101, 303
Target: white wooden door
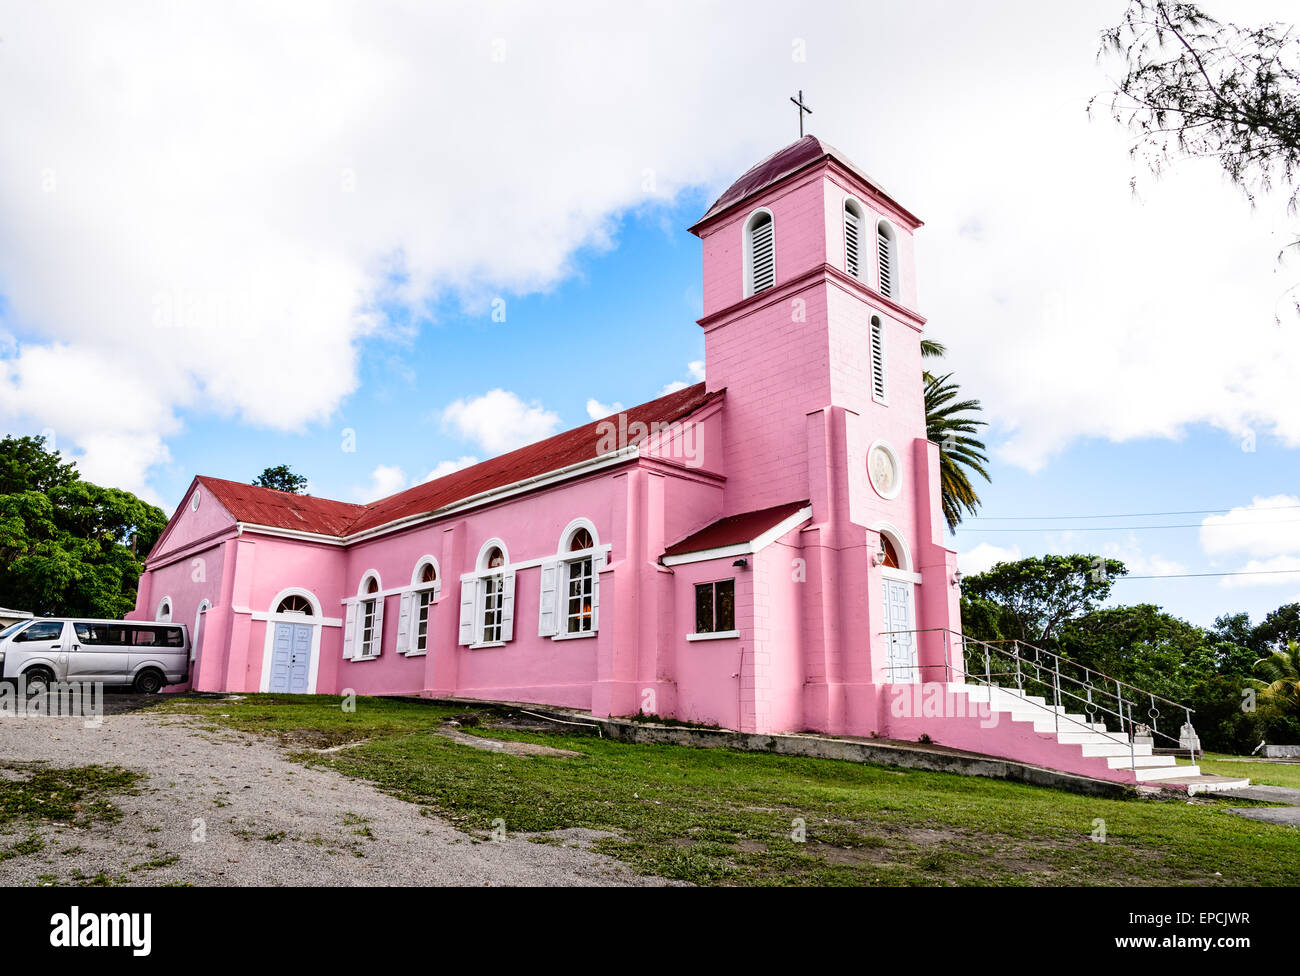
901, 647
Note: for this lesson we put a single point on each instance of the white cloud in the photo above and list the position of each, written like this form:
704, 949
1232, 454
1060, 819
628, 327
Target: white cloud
1268, 526
1271, 572
597, 410
385, 480
673, 387
499, 421
985, 556
213, 203
444, 468
696, 370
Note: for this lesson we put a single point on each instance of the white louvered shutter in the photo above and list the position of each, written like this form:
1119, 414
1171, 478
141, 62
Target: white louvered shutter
350, 631
852, 243
885, 247
377, 635
547, 618
879, 372
508, 606
597, 564
763, 256
404, 623
468, 590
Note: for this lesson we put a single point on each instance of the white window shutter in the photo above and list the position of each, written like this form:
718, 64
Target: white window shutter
884, 247
508, 606
468, 591
597, 564
879, 364
547, 618
404, 623
377, 638
350, 630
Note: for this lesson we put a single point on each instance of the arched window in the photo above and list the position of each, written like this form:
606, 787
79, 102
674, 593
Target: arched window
888, 251
487, 599
891, 554
363, 634
164, 614
854, 221
879, 374
570, 597
760, 252
295, 604
417, 606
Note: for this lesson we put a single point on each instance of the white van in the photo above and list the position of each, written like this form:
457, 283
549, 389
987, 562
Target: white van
145, 656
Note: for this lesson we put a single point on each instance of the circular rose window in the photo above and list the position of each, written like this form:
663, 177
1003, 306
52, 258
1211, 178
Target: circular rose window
884, 469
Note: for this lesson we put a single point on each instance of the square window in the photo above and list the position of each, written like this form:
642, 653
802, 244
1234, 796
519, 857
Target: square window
715, 607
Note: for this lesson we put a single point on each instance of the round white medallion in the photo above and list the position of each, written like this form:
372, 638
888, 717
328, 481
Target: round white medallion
885, 472
194, 501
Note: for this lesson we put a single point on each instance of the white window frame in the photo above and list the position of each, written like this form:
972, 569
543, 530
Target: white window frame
476, 589
747, 233
419, 598
158, 616
356, 647
553, 601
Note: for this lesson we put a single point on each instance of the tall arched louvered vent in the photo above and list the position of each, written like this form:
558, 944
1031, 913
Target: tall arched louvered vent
885, 247
852, 240
762, 253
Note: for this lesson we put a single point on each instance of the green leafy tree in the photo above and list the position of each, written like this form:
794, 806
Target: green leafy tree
1035, 597
67, 546
1279, 675
1277, 630
950, 423
282, 478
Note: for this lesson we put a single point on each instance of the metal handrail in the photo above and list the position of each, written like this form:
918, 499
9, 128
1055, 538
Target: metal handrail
1123, 710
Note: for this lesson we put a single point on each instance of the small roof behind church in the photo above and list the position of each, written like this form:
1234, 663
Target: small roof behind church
782, 163
285, 510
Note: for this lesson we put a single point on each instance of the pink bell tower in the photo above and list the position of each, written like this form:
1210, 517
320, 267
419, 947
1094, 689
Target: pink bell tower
811, 326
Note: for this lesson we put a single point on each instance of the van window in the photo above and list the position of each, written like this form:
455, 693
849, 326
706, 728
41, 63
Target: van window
104, 634
158, 637
11, 628
41, 631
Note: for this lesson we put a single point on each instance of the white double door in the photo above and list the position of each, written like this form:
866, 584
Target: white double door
900, 641
291, 659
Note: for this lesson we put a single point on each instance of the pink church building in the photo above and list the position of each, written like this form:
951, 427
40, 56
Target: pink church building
754, 552
763, 551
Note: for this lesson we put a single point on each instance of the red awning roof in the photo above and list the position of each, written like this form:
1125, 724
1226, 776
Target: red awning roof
779, 165
284, 510
735, 529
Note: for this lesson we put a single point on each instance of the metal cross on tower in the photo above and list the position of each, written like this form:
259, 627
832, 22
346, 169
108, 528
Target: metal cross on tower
802, 109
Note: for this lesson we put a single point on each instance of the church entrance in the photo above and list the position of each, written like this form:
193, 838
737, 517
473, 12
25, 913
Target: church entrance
901, 649
290, 659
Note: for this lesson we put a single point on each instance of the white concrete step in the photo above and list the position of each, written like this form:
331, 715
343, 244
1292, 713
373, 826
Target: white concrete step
1081, 738
1166, 772
1127, 762
1115, 749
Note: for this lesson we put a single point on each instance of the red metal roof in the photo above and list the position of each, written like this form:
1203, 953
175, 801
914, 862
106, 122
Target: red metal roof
284, 510
735, 529
777, 167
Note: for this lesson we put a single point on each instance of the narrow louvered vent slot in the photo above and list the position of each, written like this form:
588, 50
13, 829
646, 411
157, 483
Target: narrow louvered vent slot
764, 256
878, 376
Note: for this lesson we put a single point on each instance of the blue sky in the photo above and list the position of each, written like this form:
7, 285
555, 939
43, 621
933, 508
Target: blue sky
295, 223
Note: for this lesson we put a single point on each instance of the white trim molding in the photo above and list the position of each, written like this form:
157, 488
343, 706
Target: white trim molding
716, 635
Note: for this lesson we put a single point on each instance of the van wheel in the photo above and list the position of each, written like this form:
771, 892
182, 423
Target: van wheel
148, 682
38, 680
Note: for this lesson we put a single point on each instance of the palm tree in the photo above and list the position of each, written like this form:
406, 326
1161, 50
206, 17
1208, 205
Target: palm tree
1280, 672
949, 424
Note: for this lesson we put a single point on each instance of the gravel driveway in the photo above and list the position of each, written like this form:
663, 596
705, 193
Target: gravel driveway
265, 820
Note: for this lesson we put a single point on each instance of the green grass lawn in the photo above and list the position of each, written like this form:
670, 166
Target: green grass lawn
1260, 773
714, 816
